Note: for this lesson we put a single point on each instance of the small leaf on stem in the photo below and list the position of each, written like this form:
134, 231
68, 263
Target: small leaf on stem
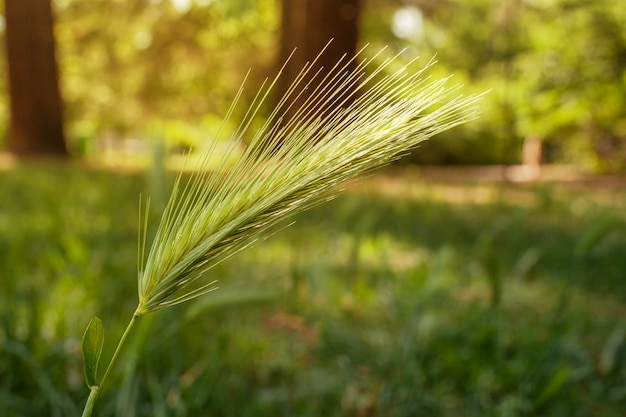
93, 340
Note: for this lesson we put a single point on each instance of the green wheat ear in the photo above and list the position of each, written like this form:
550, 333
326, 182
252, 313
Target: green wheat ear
290, 166
287, 167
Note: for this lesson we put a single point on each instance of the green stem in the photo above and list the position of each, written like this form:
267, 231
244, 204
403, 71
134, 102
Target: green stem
90, 402
95, 391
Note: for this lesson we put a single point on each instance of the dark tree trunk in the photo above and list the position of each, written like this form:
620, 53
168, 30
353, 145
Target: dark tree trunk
307, 27
36, 126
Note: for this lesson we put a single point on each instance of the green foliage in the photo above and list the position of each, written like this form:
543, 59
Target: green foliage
156, 67
56, 246
93, 340
556, 70
378, 302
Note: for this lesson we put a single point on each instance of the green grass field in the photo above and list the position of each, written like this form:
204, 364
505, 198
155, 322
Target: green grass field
400, 298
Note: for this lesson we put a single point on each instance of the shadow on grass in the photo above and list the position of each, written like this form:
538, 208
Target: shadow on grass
376, 304
570, 239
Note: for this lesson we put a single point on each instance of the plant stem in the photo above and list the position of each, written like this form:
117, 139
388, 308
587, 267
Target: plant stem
93, 394
95, 391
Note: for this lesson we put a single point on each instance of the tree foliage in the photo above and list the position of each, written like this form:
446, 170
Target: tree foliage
159, 66
170, 68
556, 69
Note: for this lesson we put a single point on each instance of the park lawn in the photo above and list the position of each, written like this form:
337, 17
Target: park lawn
401, 297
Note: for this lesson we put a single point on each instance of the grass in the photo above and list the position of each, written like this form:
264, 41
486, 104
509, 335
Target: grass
400, 298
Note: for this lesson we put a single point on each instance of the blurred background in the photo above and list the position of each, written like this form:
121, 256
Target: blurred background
482, 276
170, 68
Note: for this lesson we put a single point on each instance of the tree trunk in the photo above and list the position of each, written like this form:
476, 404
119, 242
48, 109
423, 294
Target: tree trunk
36, 126
307, 27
